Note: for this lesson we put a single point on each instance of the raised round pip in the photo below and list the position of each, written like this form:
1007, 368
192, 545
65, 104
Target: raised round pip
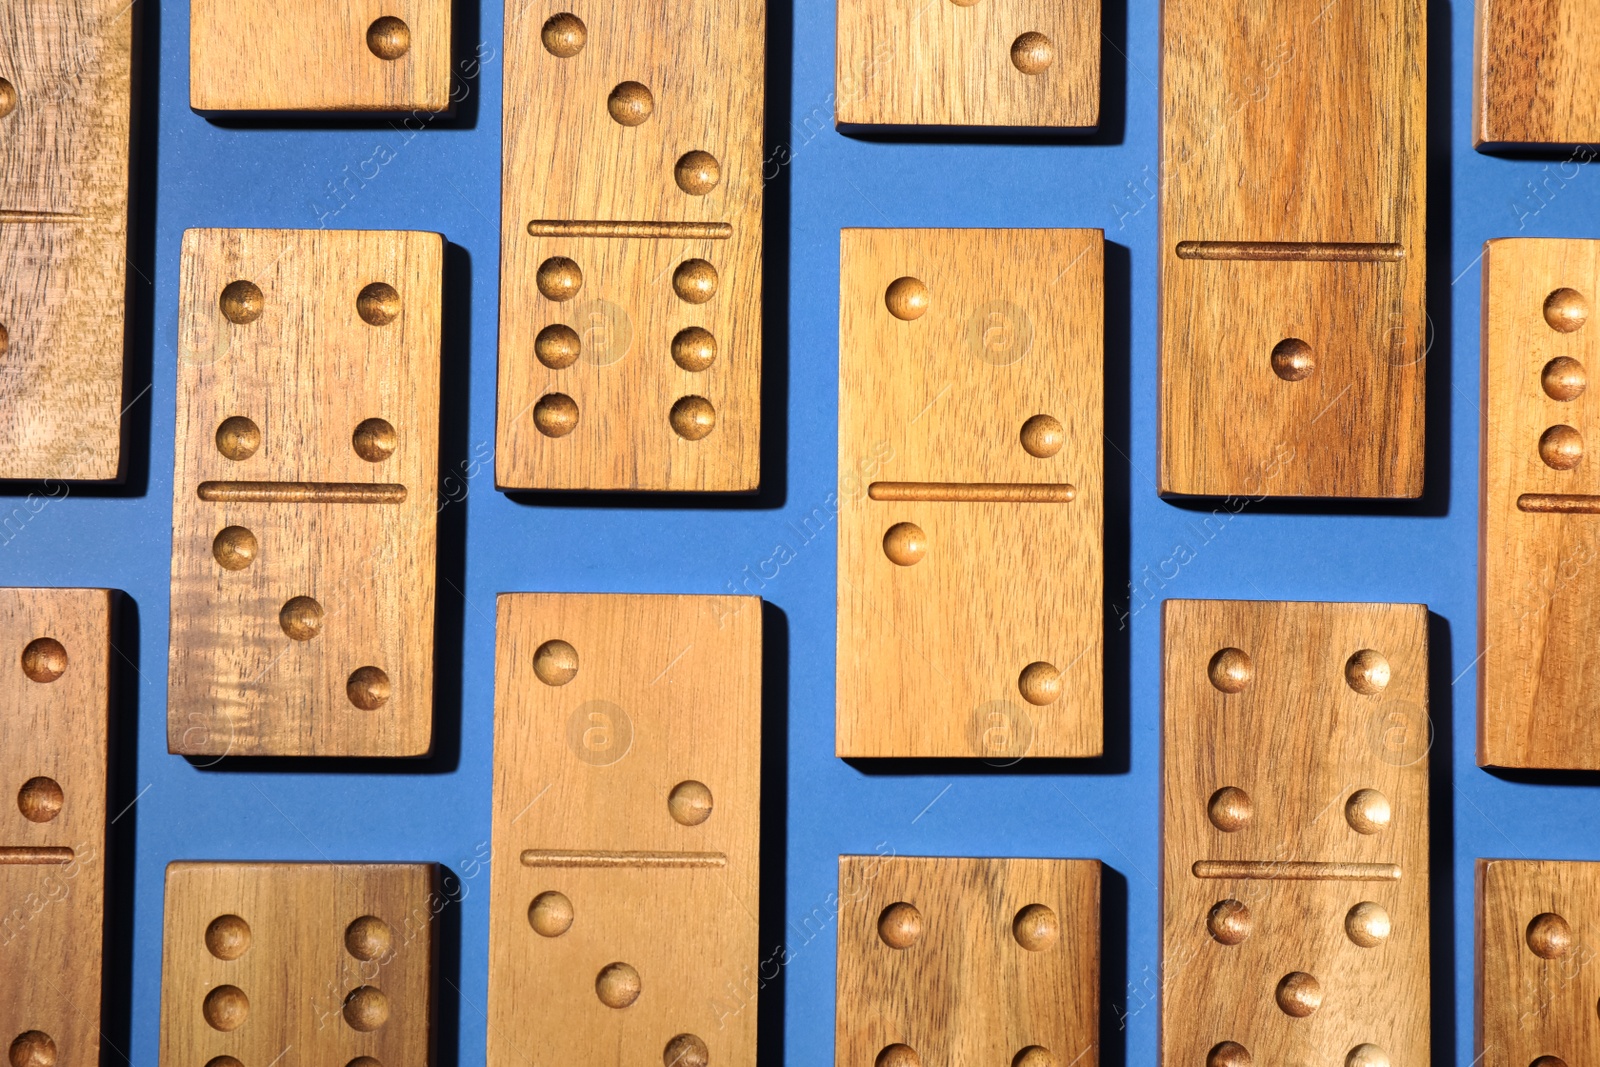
564, 35
1040, 683
630, 104
905, 544
555, 415
550, 914
617, 985
301, 618
900, 925
227, 937
235, 548
1566, 310
1549, 936
1032, 53
225, 1008
40, 799
907, 298
1036, 927
368, 688
389, 38
378, 304
44, 659
689, 803
692, 418
1230, 809
238, 437
1230, 670
1229, 922
366, 1008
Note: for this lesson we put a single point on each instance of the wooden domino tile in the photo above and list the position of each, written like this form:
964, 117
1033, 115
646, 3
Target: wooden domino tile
999, 66
967, 961
1538, 931
319, 55
630, 308
1294, 810
627, 800
1293, 330
971, 367
1530, 77
1538, 672
305, 493
55, 717
299, 963
65, 90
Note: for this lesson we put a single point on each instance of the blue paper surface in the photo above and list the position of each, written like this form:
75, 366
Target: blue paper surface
445, 176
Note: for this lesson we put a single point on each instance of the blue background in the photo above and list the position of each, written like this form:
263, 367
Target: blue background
447, 178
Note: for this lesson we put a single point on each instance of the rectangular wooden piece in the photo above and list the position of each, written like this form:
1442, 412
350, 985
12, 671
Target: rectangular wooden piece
630, 302
1002, 65
303, 570
299, 964
1294, 756
1538, 672
627, 800
968, 961
970, 568
1537, 940
55, 707
1293, 331
1531, 84
319, 55
66, 70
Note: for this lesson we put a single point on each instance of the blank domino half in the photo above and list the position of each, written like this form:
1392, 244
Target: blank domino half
1539, 670
971, 553
304, 493
1538, 932
627, 801
1293, 331
1533, 80
319, 55
66, 70
1294, 811
630, 307
968, 961
55, 704
299, 964
998, 66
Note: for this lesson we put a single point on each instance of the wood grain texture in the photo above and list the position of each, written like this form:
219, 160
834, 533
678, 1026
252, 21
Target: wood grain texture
1273, 757
932, 654
966, 961
55, 709
300, 964
701, 64
65, 84
627, 801
255, 669
319, 55
1538, 672
967, 65
1531, 75
1286, 122
1538, 927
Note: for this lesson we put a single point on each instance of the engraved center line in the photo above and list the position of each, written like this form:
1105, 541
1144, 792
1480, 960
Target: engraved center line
713, 231
22, 854
980, 492
1294, 251
302, 492
1559, 503
26, 215
606, 858
1298, 871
